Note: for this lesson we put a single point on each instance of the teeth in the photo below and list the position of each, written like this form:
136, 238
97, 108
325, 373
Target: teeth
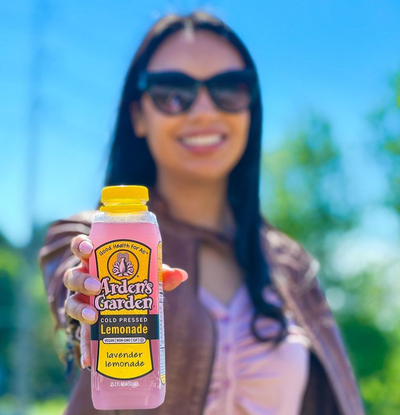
203, 140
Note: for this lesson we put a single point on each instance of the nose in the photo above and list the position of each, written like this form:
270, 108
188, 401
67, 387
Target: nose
203, 103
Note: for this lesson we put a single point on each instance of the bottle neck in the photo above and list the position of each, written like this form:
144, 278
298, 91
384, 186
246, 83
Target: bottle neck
123, 207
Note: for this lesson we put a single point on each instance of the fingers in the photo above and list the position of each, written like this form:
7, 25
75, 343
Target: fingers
76, 280
173, 277
78, 307
85, 345
82, 247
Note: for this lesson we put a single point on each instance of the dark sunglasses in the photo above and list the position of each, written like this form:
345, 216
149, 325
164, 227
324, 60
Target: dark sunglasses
174, 92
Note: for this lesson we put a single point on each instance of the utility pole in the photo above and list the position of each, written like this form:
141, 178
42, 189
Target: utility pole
24, 350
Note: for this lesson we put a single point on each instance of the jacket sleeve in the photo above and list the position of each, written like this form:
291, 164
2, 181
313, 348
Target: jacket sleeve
55, 257
294, 273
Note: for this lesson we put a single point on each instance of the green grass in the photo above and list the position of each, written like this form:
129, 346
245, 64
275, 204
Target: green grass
54, 406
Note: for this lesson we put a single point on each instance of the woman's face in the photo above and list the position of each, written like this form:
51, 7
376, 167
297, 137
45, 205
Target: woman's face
177, 142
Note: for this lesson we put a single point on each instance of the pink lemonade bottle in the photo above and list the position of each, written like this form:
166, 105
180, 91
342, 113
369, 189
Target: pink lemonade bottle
127, 341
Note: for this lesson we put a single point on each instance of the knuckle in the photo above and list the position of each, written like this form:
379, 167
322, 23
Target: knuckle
78, 279
75, 279
75, 241
73, 307
66, 276
75, 310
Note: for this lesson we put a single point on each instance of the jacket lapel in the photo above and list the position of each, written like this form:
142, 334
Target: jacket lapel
293, 272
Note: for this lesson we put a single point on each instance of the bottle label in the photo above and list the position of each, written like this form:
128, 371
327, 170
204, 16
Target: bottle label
125, 326
161, 311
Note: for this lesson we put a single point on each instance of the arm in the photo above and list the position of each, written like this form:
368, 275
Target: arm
55, 257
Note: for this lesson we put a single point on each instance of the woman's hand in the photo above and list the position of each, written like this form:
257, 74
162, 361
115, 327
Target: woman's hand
77, 279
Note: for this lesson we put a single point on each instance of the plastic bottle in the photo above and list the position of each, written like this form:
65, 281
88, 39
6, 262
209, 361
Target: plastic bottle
127, 341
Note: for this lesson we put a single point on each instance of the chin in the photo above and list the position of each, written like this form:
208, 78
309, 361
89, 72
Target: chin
206, 174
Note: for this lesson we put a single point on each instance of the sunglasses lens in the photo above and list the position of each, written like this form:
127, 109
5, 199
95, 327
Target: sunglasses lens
232, 92
172, 94
175, 92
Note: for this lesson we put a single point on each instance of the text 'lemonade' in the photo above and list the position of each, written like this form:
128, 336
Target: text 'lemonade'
127, 341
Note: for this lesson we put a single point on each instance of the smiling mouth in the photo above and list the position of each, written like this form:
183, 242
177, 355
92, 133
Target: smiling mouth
206, 141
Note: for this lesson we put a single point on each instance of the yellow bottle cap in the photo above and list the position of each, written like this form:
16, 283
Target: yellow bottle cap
124, 198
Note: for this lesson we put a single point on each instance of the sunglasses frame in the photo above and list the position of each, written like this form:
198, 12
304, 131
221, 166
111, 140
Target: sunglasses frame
147, 79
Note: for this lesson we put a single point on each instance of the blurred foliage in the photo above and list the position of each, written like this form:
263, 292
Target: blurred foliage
52, 406
385, 123
381, 388
307, 196
45, 349
10, 261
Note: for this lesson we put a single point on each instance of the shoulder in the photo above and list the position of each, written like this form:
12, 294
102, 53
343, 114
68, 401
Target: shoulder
60, 232
288, 258
86, 217
79, 222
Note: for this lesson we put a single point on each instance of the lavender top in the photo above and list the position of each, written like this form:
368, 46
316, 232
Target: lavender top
250, 377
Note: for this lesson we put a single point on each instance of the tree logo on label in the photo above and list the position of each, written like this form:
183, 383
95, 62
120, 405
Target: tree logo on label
124, 264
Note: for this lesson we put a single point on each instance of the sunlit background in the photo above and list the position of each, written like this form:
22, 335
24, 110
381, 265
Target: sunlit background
330, 78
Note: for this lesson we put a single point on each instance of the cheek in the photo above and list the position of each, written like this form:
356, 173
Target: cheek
240, 126
159, 130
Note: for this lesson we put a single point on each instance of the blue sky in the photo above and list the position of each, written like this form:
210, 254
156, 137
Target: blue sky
63, 64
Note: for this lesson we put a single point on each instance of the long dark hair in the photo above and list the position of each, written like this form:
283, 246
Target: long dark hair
244, 180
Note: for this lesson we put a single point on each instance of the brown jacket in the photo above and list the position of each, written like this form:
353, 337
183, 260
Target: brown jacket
189, 329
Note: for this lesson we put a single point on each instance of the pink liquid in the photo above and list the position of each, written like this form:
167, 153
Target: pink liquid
147, 391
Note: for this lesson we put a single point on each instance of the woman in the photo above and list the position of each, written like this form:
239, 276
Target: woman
249, 332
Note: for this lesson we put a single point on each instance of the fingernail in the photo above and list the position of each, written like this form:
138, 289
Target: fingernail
88, 314
85, 247
92, 285
183, 273
82, 363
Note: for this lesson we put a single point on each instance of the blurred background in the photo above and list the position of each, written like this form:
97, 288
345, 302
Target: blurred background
330, 78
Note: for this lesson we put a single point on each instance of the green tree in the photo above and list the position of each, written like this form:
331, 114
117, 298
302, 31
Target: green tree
10, 263
45, 378
381, 388
307, 196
